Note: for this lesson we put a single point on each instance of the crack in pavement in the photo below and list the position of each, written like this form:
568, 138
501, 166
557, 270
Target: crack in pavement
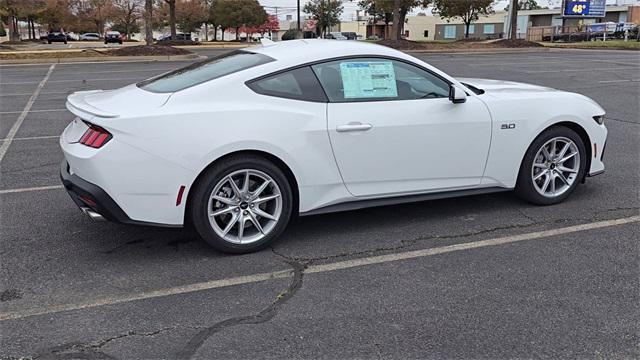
91, 350
263, 316
405, 243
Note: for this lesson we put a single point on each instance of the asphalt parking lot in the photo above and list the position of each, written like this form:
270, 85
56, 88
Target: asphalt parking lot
479, 277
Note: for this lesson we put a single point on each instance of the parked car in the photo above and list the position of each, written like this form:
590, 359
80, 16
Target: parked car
373, 37
179, 36
90, 37
350, 35
240, 143
113, 37
56, 36
335, 36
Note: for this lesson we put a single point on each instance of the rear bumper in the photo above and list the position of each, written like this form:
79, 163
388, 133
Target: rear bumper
93, 200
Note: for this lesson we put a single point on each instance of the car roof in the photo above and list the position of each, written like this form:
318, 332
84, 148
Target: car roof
294, 52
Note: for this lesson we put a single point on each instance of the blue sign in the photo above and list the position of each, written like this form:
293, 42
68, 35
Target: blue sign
584, 8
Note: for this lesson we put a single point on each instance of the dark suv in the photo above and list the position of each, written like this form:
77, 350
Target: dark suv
113, 37
56, 36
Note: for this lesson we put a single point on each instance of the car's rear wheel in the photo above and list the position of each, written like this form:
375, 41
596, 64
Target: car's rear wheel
552, 167
241, 204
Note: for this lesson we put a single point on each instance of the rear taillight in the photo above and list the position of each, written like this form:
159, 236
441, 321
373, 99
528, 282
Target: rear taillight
95, 136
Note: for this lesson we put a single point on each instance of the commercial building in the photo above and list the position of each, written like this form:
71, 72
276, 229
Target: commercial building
424, 27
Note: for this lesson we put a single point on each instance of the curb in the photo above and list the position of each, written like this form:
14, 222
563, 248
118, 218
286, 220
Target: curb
103, 59
476, 51
195, 47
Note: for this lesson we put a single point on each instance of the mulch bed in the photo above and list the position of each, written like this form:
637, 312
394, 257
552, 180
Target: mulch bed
51, 54
519, 43
177, 42
460, 44
147, 50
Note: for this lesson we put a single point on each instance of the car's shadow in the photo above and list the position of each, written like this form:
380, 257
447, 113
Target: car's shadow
343, 232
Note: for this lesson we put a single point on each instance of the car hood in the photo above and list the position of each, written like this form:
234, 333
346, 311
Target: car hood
497, 86
129, 100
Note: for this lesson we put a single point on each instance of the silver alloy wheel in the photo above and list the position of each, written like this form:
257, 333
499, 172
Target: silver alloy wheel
555, 167
244, 206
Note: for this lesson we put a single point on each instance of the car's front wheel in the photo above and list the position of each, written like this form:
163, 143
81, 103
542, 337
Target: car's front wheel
241, 204
552, 167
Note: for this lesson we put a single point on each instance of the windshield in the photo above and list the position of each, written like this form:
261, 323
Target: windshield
200, 72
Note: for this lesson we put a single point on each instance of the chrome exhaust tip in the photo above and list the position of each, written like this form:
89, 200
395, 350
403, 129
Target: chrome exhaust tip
92, 214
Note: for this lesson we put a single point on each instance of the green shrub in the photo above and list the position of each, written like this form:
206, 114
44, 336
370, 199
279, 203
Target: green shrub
289, 35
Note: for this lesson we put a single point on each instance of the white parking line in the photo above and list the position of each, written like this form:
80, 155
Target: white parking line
38, 188
577, 70
67, 80
14, 129
102, 62
314, 269
33, 138
31, 111
617, 81
113, 71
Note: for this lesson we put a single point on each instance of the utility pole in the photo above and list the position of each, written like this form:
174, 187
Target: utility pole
513, 20
298, 27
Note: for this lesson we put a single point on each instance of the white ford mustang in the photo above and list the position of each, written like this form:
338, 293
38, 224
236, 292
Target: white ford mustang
239, 144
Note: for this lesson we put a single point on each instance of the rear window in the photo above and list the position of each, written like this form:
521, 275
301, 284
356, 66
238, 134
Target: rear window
209, 69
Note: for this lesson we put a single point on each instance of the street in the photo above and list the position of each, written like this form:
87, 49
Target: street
487, 276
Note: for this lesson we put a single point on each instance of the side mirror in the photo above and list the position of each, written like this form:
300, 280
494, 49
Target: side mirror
457, 95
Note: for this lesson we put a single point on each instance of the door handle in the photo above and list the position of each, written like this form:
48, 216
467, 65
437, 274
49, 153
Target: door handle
354, 126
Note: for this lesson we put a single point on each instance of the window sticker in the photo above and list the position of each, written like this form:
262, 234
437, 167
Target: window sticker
368, 79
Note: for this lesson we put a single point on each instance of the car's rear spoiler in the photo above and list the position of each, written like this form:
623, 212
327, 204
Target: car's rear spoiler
77, 105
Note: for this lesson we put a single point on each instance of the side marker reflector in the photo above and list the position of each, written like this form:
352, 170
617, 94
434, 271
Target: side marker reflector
180, 193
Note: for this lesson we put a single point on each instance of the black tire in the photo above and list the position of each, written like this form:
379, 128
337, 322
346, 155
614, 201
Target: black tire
199, 200
65, 43
525, 188
49, 42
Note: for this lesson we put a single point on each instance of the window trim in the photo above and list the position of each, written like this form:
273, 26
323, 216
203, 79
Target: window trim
250, 84
347, 57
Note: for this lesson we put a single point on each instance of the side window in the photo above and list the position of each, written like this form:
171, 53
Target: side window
297, 84
372, 79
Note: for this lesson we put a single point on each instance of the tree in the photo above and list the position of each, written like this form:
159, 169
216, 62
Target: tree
379, 10
92, 14
148, 22
190, 15
467, 10
125, 15
272, 24
386, 9
172, 17
397, 28
57, 14
526, 5
9, 10
325, 12
234, 14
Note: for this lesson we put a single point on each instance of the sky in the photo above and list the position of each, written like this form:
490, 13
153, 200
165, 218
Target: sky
288, 7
